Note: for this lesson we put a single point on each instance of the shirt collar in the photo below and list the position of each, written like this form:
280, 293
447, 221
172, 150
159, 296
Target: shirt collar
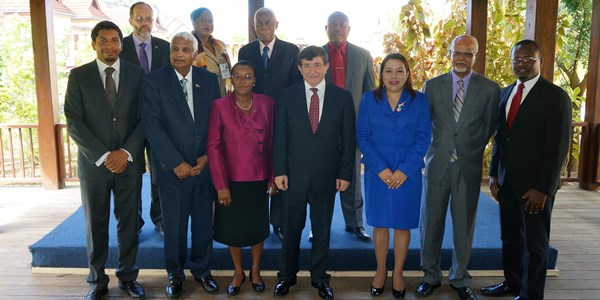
102, 66
188, 76
270, 45
320, 86
529, 83
137, 41
341, 48
467, 78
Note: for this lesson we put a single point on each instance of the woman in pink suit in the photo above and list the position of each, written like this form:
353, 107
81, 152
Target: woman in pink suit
240, 129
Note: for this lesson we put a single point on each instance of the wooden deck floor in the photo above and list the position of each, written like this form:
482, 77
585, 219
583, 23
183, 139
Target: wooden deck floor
28, 213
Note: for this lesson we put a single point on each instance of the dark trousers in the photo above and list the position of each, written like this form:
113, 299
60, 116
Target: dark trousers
95, 198
294, 215
276, 211
155, 214
187, 201
525, 243
351, 200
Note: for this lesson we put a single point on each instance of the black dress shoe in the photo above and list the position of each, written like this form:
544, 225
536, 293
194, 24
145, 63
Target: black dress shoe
133, 289
173, 289
465, 293
399, 294
208, 283
310, 236
359, 232
283, 287
233, 290
519, 298
278, 231
378, 291
257, 287
96, 294
325, 291
498, 290
425, 289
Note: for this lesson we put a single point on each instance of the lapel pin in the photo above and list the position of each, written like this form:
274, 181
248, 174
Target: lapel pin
197, 85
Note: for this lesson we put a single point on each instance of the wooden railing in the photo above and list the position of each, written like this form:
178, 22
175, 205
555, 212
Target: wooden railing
19, 157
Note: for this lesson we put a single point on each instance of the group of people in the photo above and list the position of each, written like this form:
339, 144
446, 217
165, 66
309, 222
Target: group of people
233, 148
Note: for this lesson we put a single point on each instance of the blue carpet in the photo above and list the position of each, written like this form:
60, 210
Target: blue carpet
64, 247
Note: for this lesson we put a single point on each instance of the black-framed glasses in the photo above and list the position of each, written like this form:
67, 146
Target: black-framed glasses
463, 54
526, 59
240, 77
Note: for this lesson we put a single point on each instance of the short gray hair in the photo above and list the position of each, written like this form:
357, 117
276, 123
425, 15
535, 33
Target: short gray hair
186, 36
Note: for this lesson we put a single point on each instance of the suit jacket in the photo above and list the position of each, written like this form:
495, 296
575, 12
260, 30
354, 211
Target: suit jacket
470, 135
95, 127
239, 145
532, 153
314, 160
173, 134
360, 76
160, 52
282, 70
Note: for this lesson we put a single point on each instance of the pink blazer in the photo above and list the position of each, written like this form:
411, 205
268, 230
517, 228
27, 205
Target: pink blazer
239, 146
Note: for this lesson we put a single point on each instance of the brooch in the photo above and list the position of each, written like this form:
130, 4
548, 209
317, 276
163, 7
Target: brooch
399, 106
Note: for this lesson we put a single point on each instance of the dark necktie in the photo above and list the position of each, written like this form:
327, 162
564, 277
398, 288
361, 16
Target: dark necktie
514, 105
144, 58
313, 111
265, 56
110, 87
457, 106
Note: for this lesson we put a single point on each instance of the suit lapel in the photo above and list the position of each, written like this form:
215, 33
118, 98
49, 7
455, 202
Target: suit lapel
350, 62
96, 85
447, 97
131, 51
198, 99
472, 93
179, 98
299, 106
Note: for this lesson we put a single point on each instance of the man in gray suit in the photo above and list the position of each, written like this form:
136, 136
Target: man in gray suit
351, 68
464, 111
103, 118
150, 53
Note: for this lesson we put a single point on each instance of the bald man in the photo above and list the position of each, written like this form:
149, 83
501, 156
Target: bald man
464, 112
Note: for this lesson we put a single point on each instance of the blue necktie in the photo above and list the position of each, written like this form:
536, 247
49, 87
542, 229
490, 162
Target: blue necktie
265, 56
144, 58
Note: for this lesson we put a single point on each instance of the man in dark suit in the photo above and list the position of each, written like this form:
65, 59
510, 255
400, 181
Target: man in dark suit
530, 148
176, 100
464, 110
275, 65
150, 53
351, 69
313, 155
103, 118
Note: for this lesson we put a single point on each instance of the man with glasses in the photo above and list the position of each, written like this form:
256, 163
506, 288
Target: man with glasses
275, 64
530, 148
464, 112
313, 157
150, 53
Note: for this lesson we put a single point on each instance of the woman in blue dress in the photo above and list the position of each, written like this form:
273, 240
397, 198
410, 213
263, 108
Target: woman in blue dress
393, 131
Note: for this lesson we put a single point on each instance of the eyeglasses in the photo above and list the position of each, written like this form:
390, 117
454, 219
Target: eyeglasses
463, 54
140, 19
310, 66
206, 21
527, 59
266, 23
244, 77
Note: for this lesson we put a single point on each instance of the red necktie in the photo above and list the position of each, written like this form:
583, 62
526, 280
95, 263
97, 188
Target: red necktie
514, 105
313, 111
340, 69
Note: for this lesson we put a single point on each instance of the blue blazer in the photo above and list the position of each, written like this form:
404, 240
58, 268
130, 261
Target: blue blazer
173, 134
282, 70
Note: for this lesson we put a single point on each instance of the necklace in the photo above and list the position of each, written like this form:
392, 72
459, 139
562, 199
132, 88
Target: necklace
244, 108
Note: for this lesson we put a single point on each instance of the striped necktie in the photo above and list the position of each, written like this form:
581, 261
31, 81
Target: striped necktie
457, 106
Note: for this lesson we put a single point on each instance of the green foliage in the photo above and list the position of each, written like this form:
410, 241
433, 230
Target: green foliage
17, 79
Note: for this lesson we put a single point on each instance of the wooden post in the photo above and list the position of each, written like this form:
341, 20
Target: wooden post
540, 26
589, 159
253, 6
477, 27
42, 34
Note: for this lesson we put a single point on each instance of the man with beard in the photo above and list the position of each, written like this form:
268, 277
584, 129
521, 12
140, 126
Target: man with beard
464, 112
150, 53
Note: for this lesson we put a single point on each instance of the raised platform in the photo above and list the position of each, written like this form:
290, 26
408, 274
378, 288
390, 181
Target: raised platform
64, 247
